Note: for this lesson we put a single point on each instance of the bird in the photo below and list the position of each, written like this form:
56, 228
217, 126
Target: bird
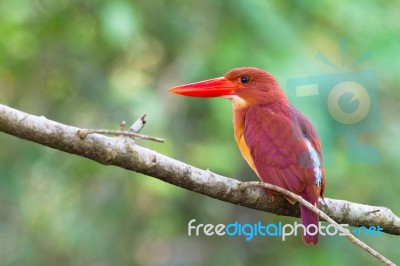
279, 143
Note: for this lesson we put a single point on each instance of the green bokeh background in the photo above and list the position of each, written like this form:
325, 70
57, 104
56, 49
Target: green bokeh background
93, 64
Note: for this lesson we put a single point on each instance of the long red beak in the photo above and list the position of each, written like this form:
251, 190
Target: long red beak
208, 88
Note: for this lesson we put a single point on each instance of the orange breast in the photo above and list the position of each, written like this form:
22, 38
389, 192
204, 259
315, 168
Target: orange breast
238, 127
245, 151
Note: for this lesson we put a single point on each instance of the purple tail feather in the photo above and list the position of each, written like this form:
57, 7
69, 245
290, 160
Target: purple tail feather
310, 218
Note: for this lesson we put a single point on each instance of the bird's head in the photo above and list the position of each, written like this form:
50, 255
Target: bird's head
246, 85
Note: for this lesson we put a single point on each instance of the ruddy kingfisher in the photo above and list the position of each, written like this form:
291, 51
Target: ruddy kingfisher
278, 142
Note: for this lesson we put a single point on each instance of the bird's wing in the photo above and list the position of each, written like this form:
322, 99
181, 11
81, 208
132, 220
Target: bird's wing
278, 146
314, 148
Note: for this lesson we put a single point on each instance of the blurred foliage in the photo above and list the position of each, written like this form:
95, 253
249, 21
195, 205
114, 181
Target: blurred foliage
95, 63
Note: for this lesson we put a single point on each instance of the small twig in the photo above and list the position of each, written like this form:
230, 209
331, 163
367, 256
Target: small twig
82, 133
138, 124
132, 131
321, 214
122, 126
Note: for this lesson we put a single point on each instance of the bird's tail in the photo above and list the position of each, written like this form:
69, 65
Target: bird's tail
310, 235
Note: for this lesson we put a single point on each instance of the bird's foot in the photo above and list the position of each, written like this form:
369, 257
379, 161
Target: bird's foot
270, 195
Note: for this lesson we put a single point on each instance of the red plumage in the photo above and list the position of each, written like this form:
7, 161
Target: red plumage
279, 142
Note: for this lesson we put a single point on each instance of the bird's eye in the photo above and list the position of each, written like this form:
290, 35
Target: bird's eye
244, 79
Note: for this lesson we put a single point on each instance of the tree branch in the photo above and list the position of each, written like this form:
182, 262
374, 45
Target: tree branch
124, 153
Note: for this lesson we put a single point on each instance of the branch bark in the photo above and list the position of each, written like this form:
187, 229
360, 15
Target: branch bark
123, 152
